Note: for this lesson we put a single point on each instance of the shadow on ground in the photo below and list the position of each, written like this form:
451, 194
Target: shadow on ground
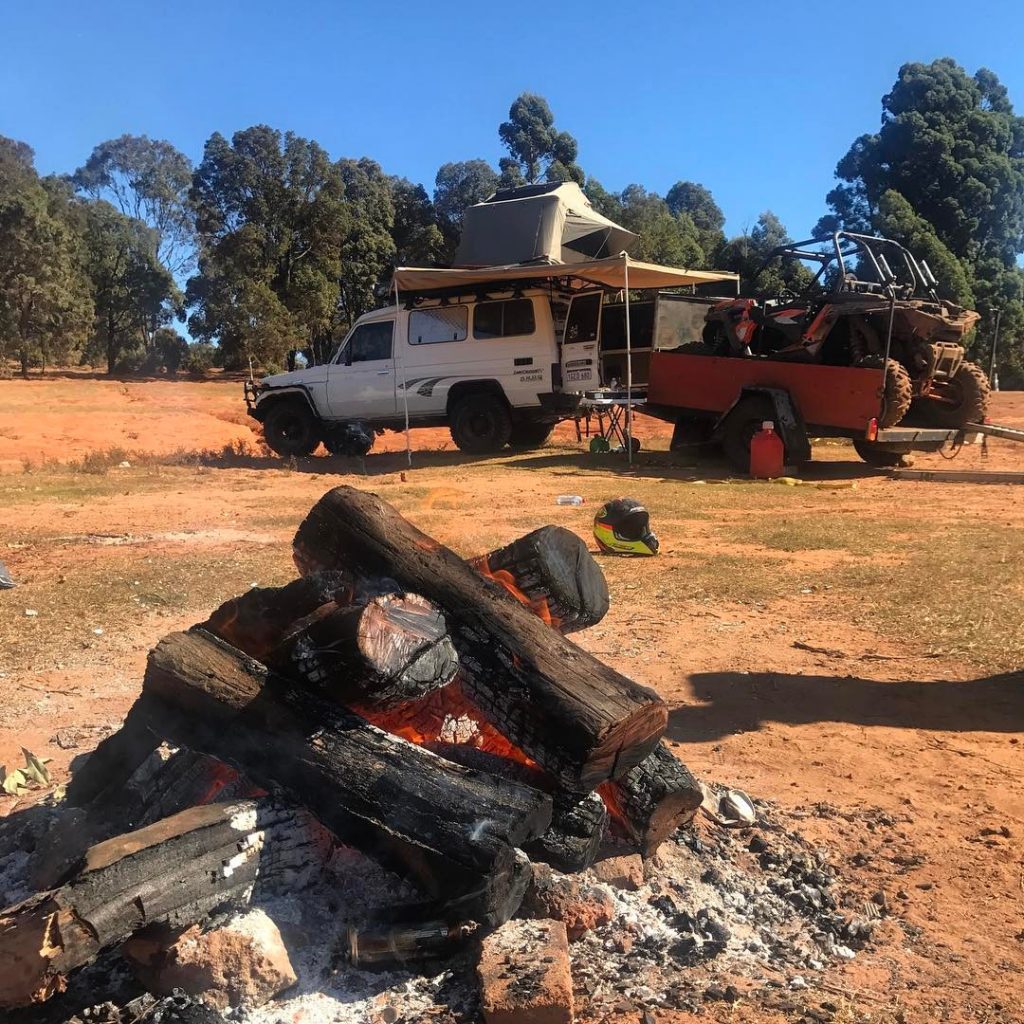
729, 702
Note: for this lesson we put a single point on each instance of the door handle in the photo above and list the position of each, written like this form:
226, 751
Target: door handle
383, 373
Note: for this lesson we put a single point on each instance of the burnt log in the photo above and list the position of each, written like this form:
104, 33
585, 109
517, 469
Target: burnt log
453, 830
573, 839
653, 799
579, 719
256, 621
388, 651
175, 872
552, 573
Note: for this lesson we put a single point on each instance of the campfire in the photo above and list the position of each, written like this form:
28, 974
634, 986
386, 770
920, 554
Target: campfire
396, 700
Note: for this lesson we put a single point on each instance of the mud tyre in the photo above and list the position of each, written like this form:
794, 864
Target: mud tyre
899, 391
526, 436
960, 401
739, 428
291, 429
481, 424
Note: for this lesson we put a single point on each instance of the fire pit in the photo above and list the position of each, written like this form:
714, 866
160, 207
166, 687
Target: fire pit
411, 741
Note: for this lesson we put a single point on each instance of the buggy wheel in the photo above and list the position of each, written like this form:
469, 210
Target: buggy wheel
882, 456
957, 402
899, 391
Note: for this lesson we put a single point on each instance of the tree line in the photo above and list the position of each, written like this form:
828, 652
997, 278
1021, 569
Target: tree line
270, 243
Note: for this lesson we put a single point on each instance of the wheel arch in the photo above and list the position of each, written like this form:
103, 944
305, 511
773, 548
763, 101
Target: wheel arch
274, 396
788, 421
463, 388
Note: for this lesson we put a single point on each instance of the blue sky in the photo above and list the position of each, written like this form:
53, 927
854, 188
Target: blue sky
755, 100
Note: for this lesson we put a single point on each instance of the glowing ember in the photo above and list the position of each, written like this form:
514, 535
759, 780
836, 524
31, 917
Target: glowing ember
539, 605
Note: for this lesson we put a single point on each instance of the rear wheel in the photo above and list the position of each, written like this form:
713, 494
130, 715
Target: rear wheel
530, 435
290, 429
959, 401
740, 427
882, 456
481, 424
899, 391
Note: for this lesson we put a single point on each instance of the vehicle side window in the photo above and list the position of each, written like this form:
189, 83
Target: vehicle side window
442, 323
368, 343
507, 319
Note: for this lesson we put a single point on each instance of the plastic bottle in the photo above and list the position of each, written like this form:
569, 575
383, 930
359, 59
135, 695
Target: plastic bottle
569, 499
767, 453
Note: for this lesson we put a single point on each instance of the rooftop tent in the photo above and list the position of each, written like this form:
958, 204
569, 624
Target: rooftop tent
547, 223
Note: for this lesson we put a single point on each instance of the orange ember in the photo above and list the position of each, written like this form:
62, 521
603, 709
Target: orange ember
609, 793
448, 716
220, 776
538, 605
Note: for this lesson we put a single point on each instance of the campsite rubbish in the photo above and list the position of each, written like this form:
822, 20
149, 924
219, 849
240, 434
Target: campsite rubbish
569, 499
6, 583
599, 445
767, 453
730, 808
623, 527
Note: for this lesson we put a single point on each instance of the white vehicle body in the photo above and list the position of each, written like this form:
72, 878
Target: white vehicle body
521, 356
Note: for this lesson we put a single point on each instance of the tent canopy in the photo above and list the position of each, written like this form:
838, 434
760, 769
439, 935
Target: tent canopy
546, 223
609, 273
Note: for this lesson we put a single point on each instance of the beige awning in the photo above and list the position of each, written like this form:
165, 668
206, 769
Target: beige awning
607, 273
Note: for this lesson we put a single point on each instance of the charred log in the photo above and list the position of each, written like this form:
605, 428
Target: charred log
175, 872
390, 650
573, 839
579, 719
553, 574
653, 799
452, 829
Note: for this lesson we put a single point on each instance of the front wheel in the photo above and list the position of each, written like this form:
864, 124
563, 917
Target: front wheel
898, 392
481, 424
290, 429
962, 400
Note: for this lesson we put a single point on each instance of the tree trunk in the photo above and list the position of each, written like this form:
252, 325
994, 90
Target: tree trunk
175, 872
581, 720
451, 828
653, 799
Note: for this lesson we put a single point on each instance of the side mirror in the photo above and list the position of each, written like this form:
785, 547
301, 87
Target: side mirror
348, 356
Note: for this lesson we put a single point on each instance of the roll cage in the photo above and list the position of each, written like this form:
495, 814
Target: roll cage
844, 256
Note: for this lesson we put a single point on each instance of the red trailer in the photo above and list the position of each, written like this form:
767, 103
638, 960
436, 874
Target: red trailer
725, 399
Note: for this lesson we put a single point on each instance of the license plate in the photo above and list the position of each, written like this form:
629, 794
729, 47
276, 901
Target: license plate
578, 375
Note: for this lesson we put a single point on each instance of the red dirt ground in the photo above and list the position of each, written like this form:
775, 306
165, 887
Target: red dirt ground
869, 723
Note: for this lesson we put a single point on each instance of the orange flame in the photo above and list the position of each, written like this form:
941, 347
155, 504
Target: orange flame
538, 605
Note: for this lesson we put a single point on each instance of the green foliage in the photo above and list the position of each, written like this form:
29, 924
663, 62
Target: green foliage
133, 293
536, 148
149, 180
169, 350
695, 201
45, 307
200, 359
417, 236
944, 175
457, 187
747, 253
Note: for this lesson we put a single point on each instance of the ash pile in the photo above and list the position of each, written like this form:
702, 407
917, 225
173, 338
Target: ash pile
394, 790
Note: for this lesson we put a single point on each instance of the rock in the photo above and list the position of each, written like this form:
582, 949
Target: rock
580, 906
621, 872
524, 974
242, 963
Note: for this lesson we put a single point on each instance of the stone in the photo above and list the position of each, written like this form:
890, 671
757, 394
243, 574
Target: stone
621, 872
579, 905
524, 974
241, 963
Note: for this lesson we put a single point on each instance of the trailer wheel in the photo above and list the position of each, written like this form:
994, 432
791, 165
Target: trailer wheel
290, 428
481, 424
741, 425
883, 456
530, 435
960, 401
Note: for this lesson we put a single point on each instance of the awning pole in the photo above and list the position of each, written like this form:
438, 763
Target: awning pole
629, 365
405, 390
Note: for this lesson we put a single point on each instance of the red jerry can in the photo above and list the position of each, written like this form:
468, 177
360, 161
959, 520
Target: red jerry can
767, 453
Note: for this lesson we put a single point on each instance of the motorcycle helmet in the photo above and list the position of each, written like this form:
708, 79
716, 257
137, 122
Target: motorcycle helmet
623, 527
